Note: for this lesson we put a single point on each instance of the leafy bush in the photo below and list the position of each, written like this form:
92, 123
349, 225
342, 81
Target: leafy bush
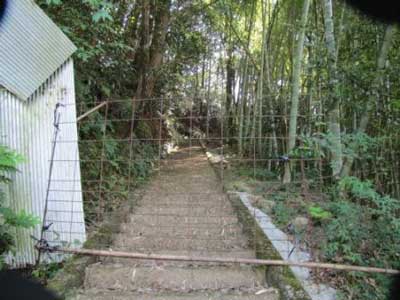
319, 214
8, 163
346, 233
364, 230
283, 213
9, 219
111, 171
360, 145
309, 148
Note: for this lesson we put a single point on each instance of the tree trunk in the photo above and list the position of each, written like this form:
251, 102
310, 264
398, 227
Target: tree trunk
144, 54
244, 87
243, 101
158, 45
250, 107
334, 100
260, 93
296, 73
152, 49
230, 83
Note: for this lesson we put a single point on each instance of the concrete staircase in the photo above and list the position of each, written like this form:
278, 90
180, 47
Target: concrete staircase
183, 212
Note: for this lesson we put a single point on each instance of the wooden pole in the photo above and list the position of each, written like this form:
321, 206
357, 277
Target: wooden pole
249, 261
81, 117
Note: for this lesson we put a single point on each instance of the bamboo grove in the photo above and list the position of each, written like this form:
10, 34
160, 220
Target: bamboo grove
320, 64
328, 71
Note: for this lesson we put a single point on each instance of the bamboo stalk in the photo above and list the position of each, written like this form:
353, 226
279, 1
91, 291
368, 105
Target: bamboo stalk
265, 262
81, 117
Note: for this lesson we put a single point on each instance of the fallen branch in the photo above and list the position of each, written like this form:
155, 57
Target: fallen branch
249, 261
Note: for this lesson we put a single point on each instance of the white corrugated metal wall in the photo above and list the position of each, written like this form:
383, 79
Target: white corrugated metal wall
27, 127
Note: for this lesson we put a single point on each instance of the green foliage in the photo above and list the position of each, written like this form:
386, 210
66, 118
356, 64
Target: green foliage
143, 130
101, 15
125, 164
360, 145
282, 214
345, 233
365, 222
45, 272
20, 219
364, 230
395, 104
9, 219
358, 189
310, 147
53, 2
9, 161
319, 214
256, 173
101, 8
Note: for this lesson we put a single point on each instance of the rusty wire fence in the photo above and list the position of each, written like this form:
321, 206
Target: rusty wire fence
195, 188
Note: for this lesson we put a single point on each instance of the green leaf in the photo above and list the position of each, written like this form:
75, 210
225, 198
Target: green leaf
395, 104
318, 213
101, 15
21, 219
53, 2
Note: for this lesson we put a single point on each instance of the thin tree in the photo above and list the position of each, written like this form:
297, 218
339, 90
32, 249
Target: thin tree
295, 90
333, 112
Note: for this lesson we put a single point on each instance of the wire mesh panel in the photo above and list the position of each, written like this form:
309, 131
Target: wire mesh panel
194, 160
189, 185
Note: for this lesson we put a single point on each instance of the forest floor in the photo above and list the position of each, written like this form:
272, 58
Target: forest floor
183, 211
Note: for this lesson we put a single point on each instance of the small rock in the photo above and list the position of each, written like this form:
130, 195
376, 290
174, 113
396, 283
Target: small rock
300, 224
267, 206
242, 187
256, 200
264, 204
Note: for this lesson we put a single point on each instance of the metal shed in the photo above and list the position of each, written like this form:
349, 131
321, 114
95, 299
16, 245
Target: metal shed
36, 75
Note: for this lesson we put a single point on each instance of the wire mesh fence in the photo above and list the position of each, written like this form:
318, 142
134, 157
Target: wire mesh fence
195, 186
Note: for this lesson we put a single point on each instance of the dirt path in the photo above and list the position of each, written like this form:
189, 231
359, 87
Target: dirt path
183, 212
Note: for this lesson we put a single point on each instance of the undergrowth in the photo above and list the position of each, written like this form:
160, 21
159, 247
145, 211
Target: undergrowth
351, 223
364, 230
120, 166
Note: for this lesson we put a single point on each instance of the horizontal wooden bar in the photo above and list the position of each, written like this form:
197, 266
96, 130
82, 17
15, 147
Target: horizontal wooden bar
249, 261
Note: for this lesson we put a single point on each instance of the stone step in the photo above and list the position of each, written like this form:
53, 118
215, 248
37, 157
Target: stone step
192, 178
158, 278
185, 188
185, 210
168, 220
198, 231
137, 243
204, 254
264, 294
186, 200
173, 199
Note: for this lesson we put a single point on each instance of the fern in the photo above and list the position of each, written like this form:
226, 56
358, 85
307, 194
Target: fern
318, 213
10, 219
